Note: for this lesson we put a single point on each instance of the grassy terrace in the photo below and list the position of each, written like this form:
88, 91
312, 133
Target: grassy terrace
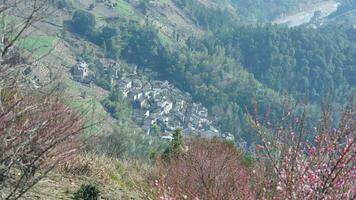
126, 10
38, 45
90, 106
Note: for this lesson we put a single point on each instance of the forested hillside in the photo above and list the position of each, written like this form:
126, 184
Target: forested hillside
235, 67
300, 61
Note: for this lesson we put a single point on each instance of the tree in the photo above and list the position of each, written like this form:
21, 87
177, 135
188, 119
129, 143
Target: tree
155, 131
143, 46
37, 131
83, 23
128, 141
117, 106
108, 32
210, 169
175, 148
110, 41
323, 168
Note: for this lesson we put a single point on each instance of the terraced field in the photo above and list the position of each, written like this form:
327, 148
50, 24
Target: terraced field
38, 45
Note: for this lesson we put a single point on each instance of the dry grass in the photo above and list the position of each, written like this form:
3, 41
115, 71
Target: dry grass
117, 179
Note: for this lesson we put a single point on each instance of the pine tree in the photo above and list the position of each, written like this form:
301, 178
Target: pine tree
175, 148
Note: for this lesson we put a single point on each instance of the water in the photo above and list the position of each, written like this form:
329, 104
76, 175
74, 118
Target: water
305, 15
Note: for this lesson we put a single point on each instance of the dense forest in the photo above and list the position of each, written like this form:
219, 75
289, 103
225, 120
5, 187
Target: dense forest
300, 61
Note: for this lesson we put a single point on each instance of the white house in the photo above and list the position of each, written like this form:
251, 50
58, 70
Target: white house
80, 71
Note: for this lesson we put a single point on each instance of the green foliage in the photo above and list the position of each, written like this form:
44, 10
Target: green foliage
142, 45
304, 62
248, 160
87, 192
87, 55
82, 23
155, 130
116, 105
208, 18
175, 148
129, 141
210, 75
103, 75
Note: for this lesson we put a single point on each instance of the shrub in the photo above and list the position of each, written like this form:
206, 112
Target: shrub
87, 192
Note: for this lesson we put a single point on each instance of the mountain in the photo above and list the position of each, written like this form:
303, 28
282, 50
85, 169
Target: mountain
142, 72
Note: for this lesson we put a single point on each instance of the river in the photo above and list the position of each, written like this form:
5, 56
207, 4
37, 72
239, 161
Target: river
305, 14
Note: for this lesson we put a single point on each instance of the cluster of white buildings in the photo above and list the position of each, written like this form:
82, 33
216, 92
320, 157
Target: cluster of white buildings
160, 103
157, 103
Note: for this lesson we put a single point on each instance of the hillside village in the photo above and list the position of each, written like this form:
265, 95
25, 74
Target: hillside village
157, 103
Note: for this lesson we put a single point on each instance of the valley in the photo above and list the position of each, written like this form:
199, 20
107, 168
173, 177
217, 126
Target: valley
177, 99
